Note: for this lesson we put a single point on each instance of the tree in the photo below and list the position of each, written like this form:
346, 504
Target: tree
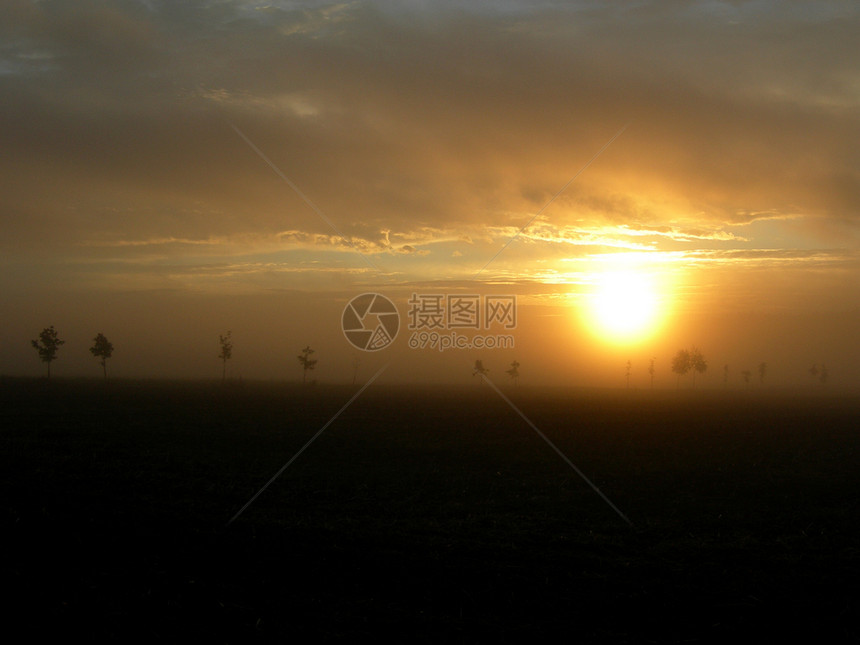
103, 349
697, 363
226, 352
651, 372
47, 346
479, 369
819, 372
627, 373
762, 370
514, 372
681, 364
306, 361
746, 374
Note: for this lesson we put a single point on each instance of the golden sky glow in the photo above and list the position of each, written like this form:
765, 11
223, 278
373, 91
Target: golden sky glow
423, 137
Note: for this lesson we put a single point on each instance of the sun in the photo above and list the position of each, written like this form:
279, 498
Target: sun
623, 305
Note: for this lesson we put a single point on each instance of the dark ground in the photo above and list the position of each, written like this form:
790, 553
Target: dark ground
428, 515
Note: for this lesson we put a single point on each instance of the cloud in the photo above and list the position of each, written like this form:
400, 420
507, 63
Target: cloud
158, 241
417, 127
772, 257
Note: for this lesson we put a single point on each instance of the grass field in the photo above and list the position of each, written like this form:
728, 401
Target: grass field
433, 515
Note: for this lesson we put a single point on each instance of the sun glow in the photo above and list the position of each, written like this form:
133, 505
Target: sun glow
624, 305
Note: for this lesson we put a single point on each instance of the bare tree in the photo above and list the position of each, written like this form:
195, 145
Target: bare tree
818, 372
514, 372
102, 349
651, 372
479, 370
226, 352
306, 361
762, 370
681, 364
47, 346
746, 374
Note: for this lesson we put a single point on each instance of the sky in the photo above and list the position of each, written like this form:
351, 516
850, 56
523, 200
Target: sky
171, 171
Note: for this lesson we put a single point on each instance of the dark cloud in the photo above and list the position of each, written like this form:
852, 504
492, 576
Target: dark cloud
116, 116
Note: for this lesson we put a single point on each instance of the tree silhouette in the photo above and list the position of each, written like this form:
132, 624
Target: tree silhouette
226, 352
818, 372
651, 372
746, 374
681, 364
47, 346
103, 349
514, 372
627, 373
306, 361
697, 363
762, 370
479, 370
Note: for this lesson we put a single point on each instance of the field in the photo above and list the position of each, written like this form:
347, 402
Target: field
428, 516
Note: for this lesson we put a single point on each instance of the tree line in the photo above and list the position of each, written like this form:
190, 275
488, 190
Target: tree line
685, 361
513, 372
691, 361
48, 345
